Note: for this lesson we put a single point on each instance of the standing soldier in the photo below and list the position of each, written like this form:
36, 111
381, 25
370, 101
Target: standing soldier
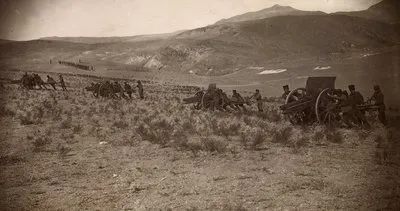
128, 89
51, 81
357, 100
258, 98
140, 88
379, 100
62, 83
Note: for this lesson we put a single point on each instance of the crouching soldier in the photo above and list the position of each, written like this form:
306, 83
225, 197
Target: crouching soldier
238, 99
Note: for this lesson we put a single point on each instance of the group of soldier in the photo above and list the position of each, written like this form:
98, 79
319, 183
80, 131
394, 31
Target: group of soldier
31, 81
76, 65
218, 99
350, 104
115, 89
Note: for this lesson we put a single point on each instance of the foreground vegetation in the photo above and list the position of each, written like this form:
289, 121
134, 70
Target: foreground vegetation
69, 150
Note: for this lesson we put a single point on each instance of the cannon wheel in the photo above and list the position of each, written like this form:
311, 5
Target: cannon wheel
325, 110
296, 117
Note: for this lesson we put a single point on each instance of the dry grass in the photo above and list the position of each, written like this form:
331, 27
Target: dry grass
174, 152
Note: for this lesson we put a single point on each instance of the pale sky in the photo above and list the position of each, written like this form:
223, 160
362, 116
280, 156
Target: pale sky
32, 19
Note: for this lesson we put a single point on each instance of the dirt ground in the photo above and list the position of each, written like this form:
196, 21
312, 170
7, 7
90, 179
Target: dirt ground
71, 151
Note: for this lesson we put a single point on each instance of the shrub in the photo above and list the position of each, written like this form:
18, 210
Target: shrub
318, 136
333, 135
121, 124
212, 144
26, 119
257, 140
40, 143
67, 123
77, 128
362, 134
282, 135
4, 111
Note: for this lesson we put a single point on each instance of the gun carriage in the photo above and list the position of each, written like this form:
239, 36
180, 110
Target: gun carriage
313, 104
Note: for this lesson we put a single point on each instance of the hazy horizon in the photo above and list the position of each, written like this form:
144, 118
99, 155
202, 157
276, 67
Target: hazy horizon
27, 20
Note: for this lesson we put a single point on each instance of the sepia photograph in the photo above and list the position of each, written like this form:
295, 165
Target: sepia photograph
192, 105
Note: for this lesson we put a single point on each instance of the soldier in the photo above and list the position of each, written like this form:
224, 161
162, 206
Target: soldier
62, 83
128, 89
38, 81
118, 89
236, 97
140, 88
379, 100
343, 103
51, 81
358, 98
225, 101
286, 91
258, 98
357, 115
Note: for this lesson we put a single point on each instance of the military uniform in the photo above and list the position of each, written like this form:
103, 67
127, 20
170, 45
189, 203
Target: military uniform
258, 98
236, 97
52, 82
379, 99
140, 88
128, 89
357, 96
357, 99
62, 83
286, 91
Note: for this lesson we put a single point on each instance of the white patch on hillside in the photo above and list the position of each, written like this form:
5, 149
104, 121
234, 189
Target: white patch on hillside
322, 68
265, 72
256, 68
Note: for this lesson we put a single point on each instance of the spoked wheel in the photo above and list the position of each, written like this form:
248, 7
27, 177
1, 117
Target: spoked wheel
326, 109
295, 95
298, 117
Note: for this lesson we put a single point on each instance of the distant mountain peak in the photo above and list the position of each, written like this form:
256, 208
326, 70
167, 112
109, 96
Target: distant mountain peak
274, 11
278, 6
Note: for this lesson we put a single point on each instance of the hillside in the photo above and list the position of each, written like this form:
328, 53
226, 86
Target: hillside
386, 11
274, 11
222, 48
93, 40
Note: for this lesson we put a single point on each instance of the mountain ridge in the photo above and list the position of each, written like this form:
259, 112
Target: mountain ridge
274, 11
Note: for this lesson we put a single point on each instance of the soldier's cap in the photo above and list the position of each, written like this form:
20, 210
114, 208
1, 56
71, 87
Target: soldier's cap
352, 87
286, 87
377, 87
234, 90
257, 90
